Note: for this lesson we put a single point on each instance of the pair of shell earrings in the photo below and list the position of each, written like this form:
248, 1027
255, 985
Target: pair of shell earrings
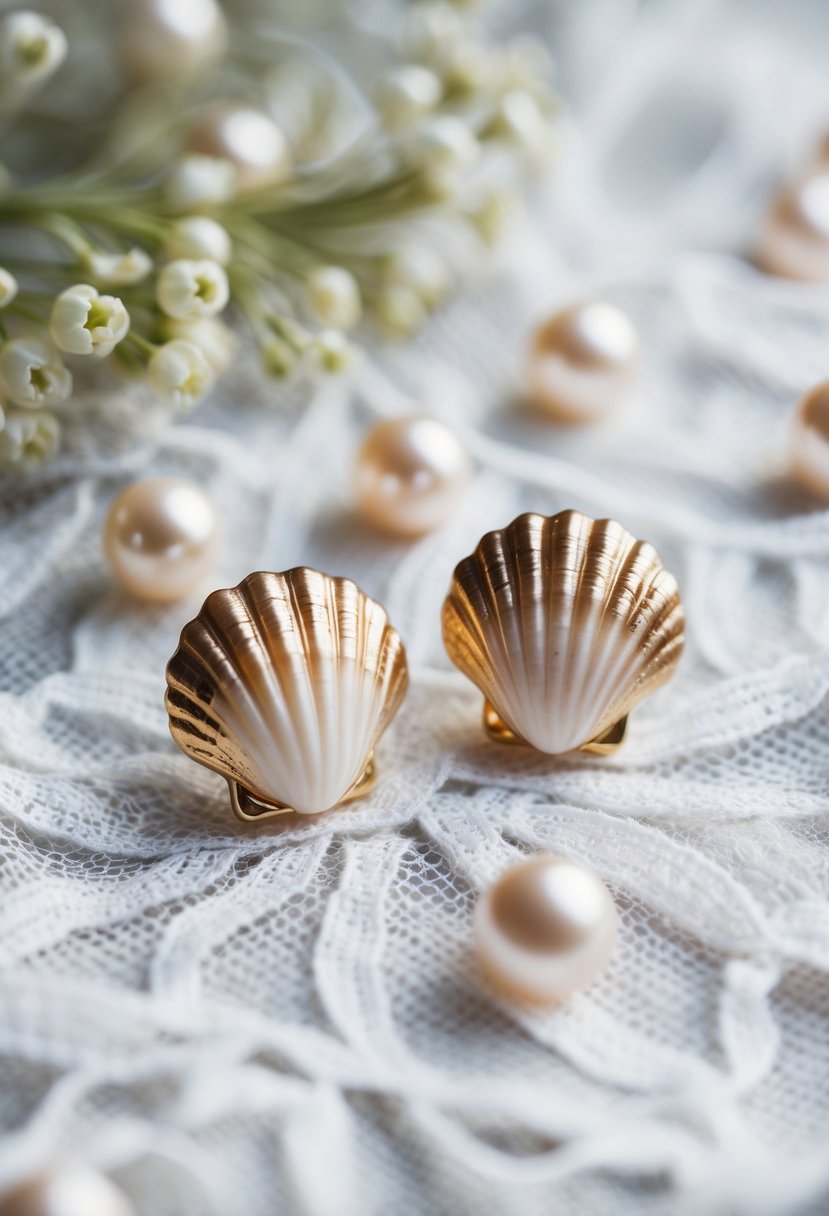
284, 685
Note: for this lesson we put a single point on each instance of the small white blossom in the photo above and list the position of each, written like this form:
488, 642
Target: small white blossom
494, 214
29, 438
198, 236
32, 48
333, 297
199, 181
32, 374
118, 269
278, 357
526, 63
399, 310
190, 290
468, 66
419, 269
217, 341
444, 151
405, 94
331, 351
86, 323
8, 287
429, 28
179, 374
520, 120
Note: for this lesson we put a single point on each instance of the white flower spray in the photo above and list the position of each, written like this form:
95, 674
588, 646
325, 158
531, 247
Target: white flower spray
217, 215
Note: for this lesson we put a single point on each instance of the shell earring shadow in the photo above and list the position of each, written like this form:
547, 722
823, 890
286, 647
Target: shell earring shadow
284, 685
565, 624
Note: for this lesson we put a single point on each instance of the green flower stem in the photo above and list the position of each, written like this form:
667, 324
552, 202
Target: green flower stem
141, 344
287, 252
35, 315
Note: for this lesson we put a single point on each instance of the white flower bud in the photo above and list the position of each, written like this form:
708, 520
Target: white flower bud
399, 310
8, 287
198, 236
190, 290
429, 28
331, 351
32, 374
118, 269
179, 374
32, 48
405, 94
86, 323
217, 342
278, 358
526, 62
444, 151
469, 66
494, 214
333, 297
29, 439
419, 269
201, 181
249, 140
520, 120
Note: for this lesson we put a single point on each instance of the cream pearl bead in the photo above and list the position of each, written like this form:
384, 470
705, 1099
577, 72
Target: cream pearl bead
582, 362
794, 240
170, 37
411, 472
809, 444
67, 1190
160, 538
249, 139
545, 929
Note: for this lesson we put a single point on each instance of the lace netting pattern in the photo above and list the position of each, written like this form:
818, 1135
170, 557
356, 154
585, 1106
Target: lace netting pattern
290, 1018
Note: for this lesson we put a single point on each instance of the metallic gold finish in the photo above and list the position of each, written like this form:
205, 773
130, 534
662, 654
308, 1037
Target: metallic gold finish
809, 443
250, 809
607, 743
565, 624
283, 685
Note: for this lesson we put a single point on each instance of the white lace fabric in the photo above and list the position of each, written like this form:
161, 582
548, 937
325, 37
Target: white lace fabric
289, 1017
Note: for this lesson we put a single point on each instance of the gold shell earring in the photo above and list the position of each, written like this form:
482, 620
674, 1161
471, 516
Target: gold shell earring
565, 624
284, 685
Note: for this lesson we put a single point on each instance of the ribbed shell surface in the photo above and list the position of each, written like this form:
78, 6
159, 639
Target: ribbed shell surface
284, 684
565, 624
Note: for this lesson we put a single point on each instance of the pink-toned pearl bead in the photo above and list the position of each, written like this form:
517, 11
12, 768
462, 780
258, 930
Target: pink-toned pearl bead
170, 37
410, 475
794, 239
810, 441
545, 929
160, 538
249, 139
66, 1190
582, 362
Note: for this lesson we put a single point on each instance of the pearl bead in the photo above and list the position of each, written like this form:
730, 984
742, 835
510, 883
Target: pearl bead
582, 362
545, 929
68, 1190
249, 139
171, 37
810, 441
794, 240
160, 538
411, 473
